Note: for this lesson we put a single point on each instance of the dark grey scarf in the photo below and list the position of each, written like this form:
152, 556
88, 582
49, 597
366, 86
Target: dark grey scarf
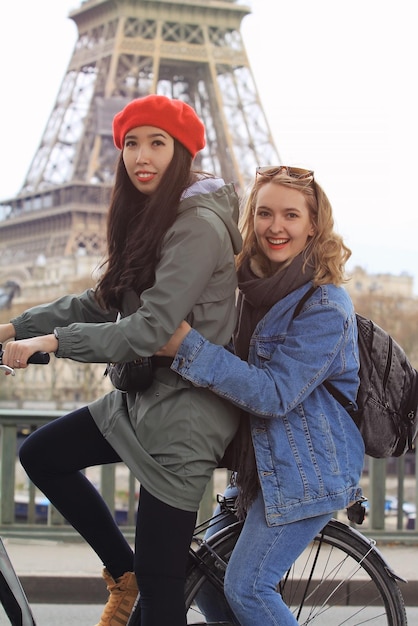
257, 296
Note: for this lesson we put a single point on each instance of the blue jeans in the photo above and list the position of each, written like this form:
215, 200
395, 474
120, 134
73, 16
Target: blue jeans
260, 558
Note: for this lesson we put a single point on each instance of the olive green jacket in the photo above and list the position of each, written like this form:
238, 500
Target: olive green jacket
172, 435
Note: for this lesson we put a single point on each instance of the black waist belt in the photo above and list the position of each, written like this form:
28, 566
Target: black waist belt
162, 361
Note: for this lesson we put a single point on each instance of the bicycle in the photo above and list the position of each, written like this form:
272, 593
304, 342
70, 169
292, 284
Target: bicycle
341, 576
12, 595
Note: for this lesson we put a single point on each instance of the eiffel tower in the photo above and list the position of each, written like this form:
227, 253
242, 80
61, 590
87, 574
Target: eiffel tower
53, 231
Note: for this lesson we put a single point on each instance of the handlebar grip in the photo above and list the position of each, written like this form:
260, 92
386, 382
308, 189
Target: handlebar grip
39, 358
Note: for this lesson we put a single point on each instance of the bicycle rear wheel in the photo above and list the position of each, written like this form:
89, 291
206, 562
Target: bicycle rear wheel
341, 578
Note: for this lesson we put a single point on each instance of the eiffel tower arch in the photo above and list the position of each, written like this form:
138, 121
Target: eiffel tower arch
53, 233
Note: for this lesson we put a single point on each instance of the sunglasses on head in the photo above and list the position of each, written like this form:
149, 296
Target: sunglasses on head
294, 172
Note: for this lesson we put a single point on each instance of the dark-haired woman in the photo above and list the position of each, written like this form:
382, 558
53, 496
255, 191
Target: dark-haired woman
172, 236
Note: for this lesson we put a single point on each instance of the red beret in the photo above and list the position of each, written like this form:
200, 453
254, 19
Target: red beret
176, 117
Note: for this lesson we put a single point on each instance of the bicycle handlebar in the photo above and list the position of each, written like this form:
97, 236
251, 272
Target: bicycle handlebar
39, 358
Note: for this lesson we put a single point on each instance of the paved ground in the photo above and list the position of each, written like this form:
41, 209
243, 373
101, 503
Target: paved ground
85, 615
36, 558
62, 580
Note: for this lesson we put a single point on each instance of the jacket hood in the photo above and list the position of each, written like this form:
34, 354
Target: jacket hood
222, 199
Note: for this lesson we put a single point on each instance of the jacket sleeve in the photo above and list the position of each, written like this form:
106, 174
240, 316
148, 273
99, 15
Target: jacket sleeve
189, 258
307, 356
42, 319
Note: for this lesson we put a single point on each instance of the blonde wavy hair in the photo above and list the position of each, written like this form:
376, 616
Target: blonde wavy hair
325, 251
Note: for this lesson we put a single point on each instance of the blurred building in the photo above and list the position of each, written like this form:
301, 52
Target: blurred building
361, 284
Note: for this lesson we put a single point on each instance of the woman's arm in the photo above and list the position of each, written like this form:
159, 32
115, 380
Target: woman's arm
189, 260
42, 319
276, 386
7, 331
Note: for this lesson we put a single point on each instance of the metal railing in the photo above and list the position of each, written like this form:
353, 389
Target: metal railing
389, 484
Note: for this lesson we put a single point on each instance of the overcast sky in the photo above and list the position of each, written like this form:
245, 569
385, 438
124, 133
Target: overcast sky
337, 81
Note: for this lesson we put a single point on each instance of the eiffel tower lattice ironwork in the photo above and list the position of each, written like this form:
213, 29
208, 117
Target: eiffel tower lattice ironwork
186, 49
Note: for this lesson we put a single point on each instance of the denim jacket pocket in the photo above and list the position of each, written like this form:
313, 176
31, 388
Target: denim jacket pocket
265, 347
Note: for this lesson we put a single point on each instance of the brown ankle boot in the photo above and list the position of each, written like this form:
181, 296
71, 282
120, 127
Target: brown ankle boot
122, 595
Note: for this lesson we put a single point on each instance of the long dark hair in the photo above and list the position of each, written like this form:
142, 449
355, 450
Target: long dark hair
136, 225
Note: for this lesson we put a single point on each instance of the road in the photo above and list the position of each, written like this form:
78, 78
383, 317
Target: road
74, 615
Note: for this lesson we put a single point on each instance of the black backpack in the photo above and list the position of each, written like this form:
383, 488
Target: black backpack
387, 397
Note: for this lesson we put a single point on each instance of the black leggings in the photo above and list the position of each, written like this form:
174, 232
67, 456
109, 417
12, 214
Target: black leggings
53, 457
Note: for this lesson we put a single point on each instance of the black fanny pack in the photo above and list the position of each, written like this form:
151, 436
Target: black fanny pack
135, 376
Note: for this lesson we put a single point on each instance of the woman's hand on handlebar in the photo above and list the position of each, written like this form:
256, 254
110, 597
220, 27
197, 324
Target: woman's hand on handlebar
17, 353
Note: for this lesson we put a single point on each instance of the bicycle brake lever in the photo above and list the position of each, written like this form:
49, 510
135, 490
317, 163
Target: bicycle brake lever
8, 369
5, 368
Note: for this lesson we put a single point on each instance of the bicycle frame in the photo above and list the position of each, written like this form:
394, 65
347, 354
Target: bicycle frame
12, 596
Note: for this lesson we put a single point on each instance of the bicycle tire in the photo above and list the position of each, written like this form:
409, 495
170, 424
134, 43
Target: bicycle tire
341, 578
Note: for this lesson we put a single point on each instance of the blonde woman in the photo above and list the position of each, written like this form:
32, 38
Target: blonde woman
303, 456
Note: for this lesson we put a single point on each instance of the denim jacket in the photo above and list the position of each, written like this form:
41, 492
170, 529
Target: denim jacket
308, 450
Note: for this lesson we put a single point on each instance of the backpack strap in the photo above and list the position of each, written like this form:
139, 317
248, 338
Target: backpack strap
345, 403
302, 301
